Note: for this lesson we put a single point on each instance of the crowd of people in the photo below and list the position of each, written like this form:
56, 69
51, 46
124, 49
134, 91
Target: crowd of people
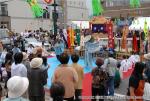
25, 74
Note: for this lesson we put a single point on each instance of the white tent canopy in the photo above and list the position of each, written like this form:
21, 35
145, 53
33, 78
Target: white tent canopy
138, 24
81, 24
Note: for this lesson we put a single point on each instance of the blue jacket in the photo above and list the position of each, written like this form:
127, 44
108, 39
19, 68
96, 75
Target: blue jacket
15, 99
59, 48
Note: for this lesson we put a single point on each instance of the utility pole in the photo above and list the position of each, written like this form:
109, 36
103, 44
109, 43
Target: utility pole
55, 17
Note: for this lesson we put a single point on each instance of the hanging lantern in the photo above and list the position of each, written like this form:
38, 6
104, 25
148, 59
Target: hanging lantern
48, 1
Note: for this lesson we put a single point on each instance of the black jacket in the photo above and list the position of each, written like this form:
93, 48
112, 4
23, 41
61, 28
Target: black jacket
37, 79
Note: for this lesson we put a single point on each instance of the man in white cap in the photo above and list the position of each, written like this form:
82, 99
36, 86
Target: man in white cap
17, 89
37, 80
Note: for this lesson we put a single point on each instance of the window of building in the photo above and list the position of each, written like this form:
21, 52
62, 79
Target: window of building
82, 15
3, 10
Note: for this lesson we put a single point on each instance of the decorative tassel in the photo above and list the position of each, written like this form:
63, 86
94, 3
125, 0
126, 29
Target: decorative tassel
135, 3
35, 7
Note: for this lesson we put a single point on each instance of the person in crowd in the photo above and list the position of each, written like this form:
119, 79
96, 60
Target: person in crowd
118, 76
7, 65
80, 72
45, 65
17, 86
25, 60
124, 64
110, 66
3, 55
37, 80
39, 51
57, 91
1, 47
146, 91
137, 82
134, 58
147, 62
58, 47
16, 49
17, 68
67, 76
99, 80
30, 49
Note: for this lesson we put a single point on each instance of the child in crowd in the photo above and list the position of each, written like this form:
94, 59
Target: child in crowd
99, 80
57, 91
80, 72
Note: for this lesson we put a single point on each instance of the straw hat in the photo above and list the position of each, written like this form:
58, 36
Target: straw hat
17, 86
147, 56
36, 62
25, 55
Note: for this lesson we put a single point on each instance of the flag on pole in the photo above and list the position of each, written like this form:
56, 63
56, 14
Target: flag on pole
94, 7
135, 3
145, 28
36, 8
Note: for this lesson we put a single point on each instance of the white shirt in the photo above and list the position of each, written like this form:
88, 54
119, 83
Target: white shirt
18, 70
132, 59
124, 65
146, 94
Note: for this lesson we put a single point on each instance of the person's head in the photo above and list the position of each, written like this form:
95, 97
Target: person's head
36, 63
18, 57
25, 56
99, 62
111, 55
64, 58
75, 58
44, 60
57, 91
124, 57
8, 56
139, 68
15, 45
17, 86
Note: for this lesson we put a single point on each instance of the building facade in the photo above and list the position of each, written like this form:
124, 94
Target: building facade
17, 16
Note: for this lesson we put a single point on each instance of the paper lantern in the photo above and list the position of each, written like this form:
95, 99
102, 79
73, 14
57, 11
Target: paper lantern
48, 1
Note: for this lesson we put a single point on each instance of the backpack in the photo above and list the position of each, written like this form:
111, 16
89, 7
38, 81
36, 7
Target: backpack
99, 77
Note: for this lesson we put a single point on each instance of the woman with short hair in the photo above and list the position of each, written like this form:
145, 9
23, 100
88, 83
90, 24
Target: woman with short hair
17, 68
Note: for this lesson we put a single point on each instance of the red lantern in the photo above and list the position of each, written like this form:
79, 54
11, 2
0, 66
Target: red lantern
48, 1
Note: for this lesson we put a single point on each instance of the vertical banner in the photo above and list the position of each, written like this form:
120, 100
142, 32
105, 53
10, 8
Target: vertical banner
68, 37
109, 28
72, 36
124, 38
135, 44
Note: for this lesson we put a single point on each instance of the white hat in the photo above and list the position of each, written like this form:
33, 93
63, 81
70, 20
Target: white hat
25, 56
36, 62
17, 86
147, 56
